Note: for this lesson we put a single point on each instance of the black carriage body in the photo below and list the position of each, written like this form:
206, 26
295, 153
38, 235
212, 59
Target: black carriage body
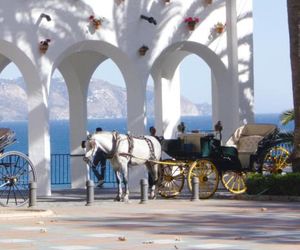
224, 158
251, 148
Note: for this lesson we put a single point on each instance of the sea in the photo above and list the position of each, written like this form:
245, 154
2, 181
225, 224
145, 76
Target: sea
59, 129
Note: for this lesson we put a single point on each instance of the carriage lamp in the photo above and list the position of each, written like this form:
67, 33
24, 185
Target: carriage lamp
149, 19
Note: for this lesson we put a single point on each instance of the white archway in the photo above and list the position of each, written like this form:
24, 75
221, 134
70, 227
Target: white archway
77, 65
165, 74
38, 134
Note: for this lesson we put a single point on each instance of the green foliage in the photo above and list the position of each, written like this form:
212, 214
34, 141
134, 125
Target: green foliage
287, 116
276, 184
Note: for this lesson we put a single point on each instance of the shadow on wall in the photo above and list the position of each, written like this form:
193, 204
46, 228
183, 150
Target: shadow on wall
128, 26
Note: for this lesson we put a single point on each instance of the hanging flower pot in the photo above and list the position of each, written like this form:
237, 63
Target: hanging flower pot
167, 1
96, 22
191, 22
143, 50
219, 28
209, 1
44, 45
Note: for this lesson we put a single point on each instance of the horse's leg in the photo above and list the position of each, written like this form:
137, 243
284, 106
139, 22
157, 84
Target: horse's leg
119, 183
125, 180
153, 171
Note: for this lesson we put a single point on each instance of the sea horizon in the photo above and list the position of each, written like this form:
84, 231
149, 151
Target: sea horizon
59, 136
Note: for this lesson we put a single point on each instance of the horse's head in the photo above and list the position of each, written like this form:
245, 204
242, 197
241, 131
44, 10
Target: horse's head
91, 147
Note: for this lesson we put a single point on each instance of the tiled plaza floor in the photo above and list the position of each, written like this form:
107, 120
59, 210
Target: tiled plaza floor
158, 224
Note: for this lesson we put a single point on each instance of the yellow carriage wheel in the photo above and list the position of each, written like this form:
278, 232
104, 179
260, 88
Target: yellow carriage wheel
171, 180
234, 181
275, 160
208, 176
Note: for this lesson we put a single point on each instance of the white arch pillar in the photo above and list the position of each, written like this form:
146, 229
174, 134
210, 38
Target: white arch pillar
136, 120
78, 114
167, 105
136, 111
38, 130
77, 79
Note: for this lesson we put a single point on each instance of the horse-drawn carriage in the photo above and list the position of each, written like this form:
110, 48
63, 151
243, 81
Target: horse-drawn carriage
252, 148
16, 171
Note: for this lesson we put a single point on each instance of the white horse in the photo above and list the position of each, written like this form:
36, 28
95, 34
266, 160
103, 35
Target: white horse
124, 151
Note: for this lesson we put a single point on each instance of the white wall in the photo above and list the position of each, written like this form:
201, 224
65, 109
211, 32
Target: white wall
119, 38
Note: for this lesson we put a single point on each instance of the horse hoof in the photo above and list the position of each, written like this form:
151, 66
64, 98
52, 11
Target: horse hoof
117, 198
152, 196
125, 199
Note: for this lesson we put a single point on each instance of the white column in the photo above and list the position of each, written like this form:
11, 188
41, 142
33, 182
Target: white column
77, 88
38, 130
233, 97
78, 128
244, 35
136, 98
136, 120
215, 100
167, 105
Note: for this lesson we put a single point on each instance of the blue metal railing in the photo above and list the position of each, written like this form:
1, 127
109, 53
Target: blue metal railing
60, 169
61, 174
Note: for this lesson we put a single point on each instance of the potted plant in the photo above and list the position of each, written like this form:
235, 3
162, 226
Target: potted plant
219, 28
191, 22
209, 1
44, 45
96, 22
167, 1
143, 50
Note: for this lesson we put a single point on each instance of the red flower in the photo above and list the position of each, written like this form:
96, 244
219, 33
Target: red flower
191, 19
91, 17
188, 19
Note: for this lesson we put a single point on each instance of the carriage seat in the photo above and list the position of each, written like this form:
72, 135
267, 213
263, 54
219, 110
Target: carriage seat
4, 132
7, 137
246, 138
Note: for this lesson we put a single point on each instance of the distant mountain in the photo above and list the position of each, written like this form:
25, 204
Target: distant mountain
105, 100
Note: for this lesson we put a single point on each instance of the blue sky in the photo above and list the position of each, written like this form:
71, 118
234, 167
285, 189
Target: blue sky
272, 76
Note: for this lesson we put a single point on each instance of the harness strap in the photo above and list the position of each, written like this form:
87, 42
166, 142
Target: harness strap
151, 148
115, 141
130, 145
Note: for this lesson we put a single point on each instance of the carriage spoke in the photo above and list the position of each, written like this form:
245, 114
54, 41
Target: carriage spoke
275, 160
172, 180
234, 181
22, 193
17, 173
231, 178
